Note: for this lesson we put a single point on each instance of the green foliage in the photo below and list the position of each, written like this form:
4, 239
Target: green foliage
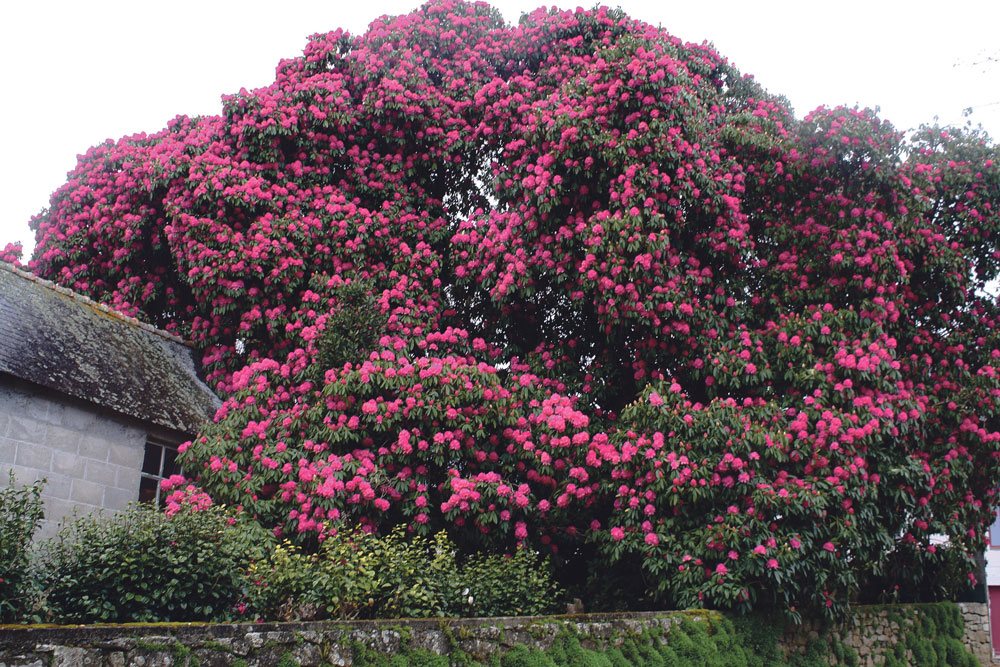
142, 566
911, 574
522, 656
518, 585
845, 654
365, 657
713, 642
20, 515
353, 326
759, 635
357, 574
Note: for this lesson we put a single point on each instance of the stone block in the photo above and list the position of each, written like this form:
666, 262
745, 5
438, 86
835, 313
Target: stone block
12, 400
340, 656
7, 449
58, 486
212, 657
57, 509
126, 454
26, 429
118, 499
111, 430
70, 656
238, 645
142, 658
94, 447
58, 512
434, 641
31, 455
101, 473
62, 439
128, 479
67, 463
87, 493
307, 655
37, 408
76, 419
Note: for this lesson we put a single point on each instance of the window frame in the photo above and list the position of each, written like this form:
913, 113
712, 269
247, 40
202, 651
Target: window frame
164, 468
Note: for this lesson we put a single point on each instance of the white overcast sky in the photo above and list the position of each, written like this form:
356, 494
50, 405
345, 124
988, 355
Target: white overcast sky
77, 73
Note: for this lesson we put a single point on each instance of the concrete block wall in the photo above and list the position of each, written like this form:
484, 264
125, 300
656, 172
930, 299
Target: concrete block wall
91, 459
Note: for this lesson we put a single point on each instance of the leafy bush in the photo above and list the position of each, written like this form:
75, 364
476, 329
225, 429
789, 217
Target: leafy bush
20, 515
354, 575
517, 585
357, 574
143, 566
353, 326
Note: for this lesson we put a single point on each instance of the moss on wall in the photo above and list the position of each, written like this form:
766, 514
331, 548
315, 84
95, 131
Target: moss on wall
891, 635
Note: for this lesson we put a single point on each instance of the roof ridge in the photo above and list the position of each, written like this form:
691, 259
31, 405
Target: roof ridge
107, 310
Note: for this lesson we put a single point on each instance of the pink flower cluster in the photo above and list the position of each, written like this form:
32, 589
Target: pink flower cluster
628, 304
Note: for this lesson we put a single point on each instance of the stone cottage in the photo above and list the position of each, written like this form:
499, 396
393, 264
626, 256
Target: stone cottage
92, 400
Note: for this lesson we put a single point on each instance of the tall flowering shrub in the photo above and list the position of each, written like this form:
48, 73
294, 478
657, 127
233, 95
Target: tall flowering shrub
575, 284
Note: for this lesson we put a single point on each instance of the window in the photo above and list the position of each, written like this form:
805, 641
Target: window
159, 463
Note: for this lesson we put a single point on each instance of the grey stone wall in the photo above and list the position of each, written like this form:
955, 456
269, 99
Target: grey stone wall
90, 458
977, 630
872, 632
308, 644
330, 643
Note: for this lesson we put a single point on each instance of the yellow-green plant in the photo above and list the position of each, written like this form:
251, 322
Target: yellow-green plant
358, 574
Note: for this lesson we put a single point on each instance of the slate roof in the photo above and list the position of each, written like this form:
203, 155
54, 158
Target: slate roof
64, 341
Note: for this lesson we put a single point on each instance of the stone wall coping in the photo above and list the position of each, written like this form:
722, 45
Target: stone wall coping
102, 632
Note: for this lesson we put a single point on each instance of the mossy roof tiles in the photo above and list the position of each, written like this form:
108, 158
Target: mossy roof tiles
61, 340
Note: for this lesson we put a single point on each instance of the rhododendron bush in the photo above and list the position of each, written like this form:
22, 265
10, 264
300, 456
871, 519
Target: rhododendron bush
574, 284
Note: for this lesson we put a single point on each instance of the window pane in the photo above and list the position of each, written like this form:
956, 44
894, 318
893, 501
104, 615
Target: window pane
151, 461
169, 462
995, 533
159, 462
147, 489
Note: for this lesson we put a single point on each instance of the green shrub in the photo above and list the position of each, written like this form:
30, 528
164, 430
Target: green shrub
353, 327
358, 575
20, 515
142, 566
361, 575
519, 585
